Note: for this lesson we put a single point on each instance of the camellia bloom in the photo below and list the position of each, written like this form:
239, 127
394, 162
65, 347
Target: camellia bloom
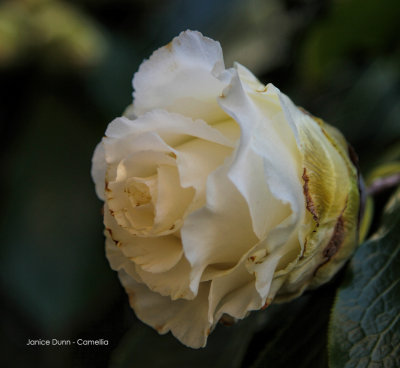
220, 195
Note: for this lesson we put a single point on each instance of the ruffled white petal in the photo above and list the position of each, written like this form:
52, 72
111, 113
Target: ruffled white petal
198, 158
233, 293
125, 136
218, 234
117, 259
275, 195
265, 133
173, 283
155, 254
140, 153
172, 200
186, 319
181, 77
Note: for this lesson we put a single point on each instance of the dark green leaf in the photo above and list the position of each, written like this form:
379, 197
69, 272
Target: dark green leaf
365, 325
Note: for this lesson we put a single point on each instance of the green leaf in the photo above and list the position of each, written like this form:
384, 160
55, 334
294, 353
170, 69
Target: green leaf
144, 347
365, 324
296, 334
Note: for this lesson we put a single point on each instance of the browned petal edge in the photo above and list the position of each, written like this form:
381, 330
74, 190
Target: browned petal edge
131, 297
116, 242
336, 239
335, 242
227, 320
304, 249
309, 202
267, 304
107, 188
159, 328
168, 46
262, 89
110, 232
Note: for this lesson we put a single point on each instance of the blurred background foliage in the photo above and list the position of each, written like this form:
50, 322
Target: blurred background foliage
65, 71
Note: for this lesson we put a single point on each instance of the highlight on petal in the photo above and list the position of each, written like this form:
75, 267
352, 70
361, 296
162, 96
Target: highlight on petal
268, 143
219, 233
181, 77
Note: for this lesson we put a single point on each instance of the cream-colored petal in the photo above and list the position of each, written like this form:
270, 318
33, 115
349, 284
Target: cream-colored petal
117, 259
196, 159
181, 77
172, 200
152, 254
219, 233
186, 319
98, 169
270, 137
250, 174
277, 254
156, 130
267, 153
233, 293
173, 283
250, 82
129, 113
155, 255
230, 129
131, 195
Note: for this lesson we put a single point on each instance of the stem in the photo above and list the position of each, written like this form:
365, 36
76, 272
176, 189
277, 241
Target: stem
381, 184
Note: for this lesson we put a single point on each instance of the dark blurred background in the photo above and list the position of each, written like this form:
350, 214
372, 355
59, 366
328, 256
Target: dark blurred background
65, 72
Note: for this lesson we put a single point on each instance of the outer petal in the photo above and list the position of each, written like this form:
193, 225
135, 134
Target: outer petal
124, 136
156, 254
98, 171
233, 293
198, 158
267, 151
186, 319
180, 77
173, 283
269, 154
218, 234
332, 200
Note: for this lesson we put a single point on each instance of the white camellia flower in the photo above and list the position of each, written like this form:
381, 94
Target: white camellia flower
220, 194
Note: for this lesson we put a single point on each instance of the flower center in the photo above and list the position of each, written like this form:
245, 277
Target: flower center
139, 193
